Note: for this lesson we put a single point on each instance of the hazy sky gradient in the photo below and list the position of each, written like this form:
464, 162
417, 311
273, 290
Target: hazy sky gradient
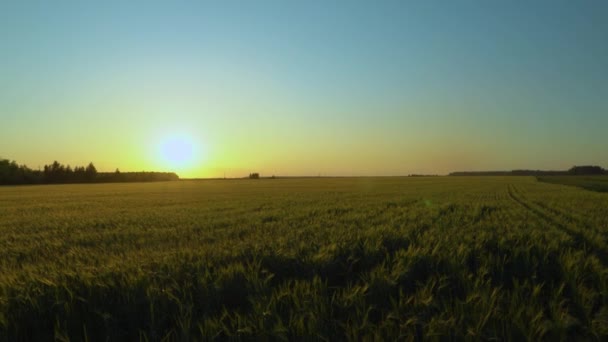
306, 87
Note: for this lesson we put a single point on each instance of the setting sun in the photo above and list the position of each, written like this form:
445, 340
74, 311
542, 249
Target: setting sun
179, 152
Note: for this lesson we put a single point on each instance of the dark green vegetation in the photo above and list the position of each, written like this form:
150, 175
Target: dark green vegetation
593, 183
328, 259
12, 173
586, 170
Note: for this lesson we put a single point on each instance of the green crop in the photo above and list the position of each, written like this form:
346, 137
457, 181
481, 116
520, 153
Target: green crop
597, 183
480, 258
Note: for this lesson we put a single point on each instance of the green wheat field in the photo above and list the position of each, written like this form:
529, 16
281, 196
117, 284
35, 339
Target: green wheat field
483, 258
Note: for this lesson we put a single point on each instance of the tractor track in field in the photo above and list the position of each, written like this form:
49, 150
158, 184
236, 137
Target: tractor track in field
578, 237
571, 218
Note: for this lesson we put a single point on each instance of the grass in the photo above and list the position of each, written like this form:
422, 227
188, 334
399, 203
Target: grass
593, 183
323, 259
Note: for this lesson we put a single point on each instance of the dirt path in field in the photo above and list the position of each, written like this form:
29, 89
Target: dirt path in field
580, 239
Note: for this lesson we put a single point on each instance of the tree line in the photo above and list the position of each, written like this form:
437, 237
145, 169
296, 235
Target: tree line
12, 173
585, 170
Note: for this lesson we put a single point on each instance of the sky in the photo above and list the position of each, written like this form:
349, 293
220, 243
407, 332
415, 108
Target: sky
214, 88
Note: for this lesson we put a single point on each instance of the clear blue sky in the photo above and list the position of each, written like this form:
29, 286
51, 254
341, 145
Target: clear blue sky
306, 87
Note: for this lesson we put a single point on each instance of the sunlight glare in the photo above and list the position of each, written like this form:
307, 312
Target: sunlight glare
178, 152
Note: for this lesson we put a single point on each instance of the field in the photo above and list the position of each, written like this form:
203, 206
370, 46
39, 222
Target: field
593, 183
324, 259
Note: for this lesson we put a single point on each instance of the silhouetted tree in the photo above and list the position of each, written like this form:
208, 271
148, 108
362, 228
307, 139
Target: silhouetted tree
91, 172
12, 173
79, 174
586, 170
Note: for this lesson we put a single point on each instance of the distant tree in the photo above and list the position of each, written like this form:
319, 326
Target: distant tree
254, 175
69, 174
13, 173
586, 170
53, 172
91, 172
79, 173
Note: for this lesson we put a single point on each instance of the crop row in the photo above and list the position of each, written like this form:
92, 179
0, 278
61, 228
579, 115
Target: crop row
327, 259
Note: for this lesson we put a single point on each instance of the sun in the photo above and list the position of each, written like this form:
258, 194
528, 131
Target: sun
178, 152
